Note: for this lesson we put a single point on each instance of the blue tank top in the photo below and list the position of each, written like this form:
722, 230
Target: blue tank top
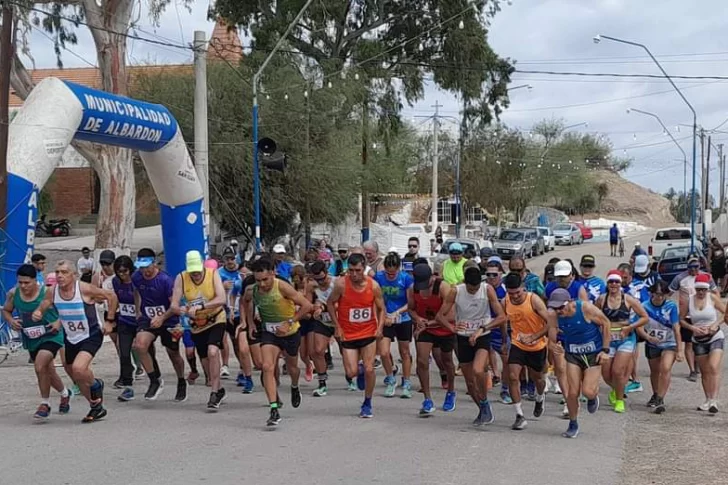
580, 336
573, 289
595, 287
156, 296
500, 292
125, 294
395, 291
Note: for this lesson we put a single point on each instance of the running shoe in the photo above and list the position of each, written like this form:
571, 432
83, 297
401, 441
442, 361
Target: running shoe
295, 397
693, 377
406, 390
366, 411
192, 377
360, 379
449, 405
181, 395
713, 409
309, 373
248, 386
572, 431
443, 381
240, 380
139, 372
320, 392
284, 370
478, 421
633, 386
377, 363
705, 406
126, 395
389, 391
213, 404
538, 409
592, 405
557, 388
155, 389
619, 406
274, 419
119, 384
612, 397
653, 401
496, 380
224, 372
505, 397
428, 408
660, 406
65, 405
94, 414
520, 423
565, 412
487, 411
351, 387
582, 398
75, 390
42, 413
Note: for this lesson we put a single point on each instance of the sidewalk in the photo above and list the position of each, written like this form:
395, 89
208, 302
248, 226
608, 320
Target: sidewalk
144, 237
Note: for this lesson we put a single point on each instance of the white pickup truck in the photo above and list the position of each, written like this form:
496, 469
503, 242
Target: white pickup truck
668, 237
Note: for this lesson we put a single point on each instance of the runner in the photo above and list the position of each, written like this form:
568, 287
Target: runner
594, 285
282, 266
531, 281
205, 300
126, 323
396, 287
498, 347
102, 279
528, 319
717, 258
299, 281
358, 312
319, 289
708, 338
452, 268
617, 307
639, 283
152, 296
424, 303
584, 330
662, 334
276, 302
42, 339
83, 336
473, 300
374, 261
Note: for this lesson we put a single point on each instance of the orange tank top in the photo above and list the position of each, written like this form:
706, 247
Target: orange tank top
524, 321
356, 312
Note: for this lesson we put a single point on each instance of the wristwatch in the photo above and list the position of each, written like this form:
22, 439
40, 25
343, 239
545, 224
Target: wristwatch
290, 321
606, 351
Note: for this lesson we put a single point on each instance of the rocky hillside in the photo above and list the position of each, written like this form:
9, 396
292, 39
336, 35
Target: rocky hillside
629, 201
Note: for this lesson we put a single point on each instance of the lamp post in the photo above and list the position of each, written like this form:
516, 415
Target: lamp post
667, 132
598, 39
256, 79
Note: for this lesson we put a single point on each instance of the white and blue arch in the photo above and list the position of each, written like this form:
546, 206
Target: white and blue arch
58, 111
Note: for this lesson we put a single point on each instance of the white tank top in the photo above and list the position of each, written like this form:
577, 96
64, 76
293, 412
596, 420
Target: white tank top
472, 310
705, 317
323, 296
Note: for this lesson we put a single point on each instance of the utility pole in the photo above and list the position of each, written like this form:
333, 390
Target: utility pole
365, 191
6, 54
200, 114
707, 177
702, 172
307, 219
457, 195
435, 160
721, 177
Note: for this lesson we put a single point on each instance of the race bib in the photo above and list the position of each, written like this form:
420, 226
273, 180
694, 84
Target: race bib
660, 335
34, 332
273, 327
396, 318
587, 348
127, 309
76, 331
360, 315
471, 325
325, 317
154, 311
616, 334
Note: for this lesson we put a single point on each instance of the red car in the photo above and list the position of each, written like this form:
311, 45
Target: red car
586, 232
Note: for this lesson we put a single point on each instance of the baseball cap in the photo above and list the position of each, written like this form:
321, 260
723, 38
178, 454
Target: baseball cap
456, 248
343, 247
588, 260
472, 276
486, 253
279, 249
228, 252
637, 244
693, 259
495, 259
422, 274
702, 281
641, 263
194, 262
233, 242
107, 256
562, 268
145, 258
614, 275
559, 298
393, 249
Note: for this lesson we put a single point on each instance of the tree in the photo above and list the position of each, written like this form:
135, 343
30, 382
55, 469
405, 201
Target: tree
602, 192
108, 22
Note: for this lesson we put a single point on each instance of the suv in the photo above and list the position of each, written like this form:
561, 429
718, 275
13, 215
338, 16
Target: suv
568, 233
549, 240
538, 241
513, 242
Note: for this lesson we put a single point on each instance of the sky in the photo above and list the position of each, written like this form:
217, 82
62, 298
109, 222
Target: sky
556, 36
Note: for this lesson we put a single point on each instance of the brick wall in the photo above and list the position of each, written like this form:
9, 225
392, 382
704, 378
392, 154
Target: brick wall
72, 191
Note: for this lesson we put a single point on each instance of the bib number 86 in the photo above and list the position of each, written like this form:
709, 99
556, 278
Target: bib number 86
360, 315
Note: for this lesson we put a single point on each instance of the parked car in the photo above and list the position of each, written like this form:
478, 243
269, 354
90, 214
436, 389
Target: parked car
671, 237
586, 232
537, 240
445, 253
567, 233
513, 242
549, 240
674, 260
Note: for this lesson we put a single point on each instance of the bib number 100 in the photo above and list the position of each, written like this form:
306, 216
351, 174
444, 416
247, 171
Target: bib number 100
360, 315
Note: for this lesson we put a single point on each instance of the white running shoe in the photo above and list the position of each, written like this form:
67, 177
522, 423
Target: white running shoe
565, 412
224, 372
705, 406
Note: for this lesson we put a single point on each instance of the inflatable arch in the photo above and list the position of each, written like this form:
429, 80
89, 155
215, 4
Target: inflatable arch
57, 112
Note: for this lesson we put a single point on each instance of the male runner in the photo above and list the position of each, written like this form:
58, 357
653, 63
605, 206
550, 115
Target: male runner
375, 262
358, 312
498, 343
152, 295
83, 336
231, 279
41, 339
205, 300
531, 281
594, 285
276, 301
584, 343
424, 303
126, 322
473, 300
452, 268
318, 290
528, 319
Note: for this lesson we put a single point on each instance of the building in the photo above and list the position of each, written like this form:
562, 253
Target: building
74, 187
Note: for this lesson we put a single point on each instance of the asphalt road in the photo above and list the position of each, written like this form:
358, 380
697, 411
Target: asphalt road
322, 442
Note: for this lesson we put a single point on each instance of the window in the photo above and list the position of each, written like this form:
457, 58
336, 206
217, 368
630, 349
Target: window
672, 234
475, 214
511, 236
444, 212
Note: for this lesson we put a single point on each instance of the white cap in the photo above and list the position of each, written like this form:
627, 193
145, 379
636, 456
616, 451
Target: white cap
562, 268
637, 244
641, 263
393, 250
233, 242
279, 249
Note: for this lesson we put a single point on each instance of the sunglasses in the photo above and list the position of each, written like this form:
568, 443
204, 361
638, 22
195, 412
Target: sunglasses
700, 289
693, 266
343, 251
588, 266
413, 246
491, 275
614, 282
319, 278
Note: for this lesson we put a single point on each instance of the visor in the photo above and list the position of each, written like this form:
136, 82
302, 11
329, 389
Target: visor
143, 262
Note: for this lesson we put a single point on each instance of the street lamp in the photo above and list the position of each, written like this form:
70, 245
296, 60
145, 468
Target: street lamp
598, 39
667, 132
256, 79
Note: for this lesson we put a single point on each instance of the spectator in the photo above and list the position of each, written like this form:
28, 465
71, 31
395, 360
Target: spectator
413, 252
283, 267
613, 239
85, 265
341, 264
39, 263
